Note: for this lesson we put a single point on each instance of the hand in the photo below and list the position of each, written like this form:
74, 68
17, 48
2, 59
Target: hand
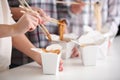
75, 52
27, 22
77, 8
42, 14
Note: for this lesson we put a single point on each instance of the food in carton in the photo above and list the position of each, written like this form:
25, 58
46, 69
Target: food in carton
50, 58
62, 25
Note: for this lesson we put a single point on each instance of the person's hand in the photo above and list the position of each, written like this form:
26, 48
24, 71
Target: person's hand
61, 65
75, 52
27, 22
77, 8
42, 14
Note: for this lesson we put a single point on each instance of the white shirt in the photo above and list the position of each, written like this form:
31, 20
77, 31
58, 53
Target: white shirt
5, 43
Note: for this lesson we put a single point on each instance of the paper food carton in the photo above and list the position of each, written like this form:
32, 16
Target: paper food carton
67, 49
66, 44
91, 44
50, 58
105, 45
89, 55
103, 50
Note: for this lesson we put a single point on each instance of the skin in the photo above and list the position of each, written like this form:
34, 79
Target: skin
75, 52
77, 8
27, 22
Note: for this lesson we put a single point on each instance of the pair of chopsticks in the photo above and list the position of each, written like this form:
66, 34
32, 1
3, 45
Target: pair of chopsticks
64, 2
26, 6
70, 2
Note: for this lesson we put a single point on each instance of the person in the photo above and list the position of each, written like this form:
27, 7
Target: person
36, 37
13, 34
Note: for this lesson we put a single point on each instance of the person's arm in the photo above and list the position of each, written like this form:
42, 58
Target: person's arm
21, 43
6, 30
27, 22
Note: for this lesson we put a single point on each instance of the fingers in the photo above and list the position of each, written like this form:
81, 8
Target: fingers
81, 2
61, 65
44, 16
75, 52
29, 21
35, 14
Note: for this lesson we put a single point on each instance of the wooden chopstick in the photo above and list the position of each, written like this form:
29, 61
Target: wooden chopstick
63, 2
71, 2
46, 32
54, 20
22, 4
97, 14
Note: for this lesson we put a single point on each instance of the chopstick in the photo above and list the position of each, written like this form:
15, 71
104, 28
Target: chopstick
55, 21
97, 14
25, 5
71, 2
63, 2
46, 32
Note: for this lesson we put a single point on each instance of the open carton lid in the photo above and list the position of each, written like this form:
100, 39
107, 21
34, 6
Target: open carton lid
53, 48
90, 38
67, 37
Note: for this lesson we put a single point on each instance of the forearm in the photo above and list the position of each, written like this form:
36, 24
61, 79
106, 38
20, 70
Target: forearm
21, 43
7, 30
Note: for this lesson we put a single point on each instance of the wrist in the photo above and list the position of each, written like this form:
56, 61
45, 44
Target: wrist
36, 57
14, 29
